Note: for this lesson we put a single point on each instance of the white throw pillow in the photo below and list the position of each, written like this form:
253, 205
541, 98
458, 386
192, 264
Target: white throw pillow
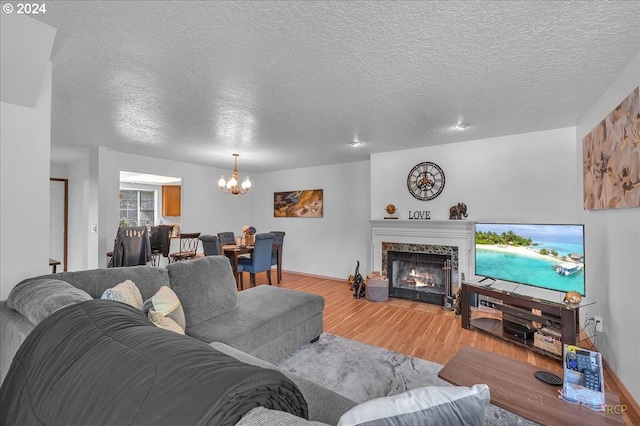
161, 321
430, 405
166, 303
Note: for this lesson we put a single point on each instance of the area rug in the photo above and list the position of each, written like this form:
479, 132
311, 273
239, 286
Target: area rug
362, 372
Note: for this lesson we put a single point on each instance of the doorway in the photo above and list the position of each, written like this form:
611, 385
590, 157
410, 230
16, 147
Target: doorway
58, 220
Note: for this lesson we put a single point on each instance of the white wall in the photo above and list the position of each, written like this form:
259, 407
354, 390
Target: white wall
77, 244
327, 246
24, 215
613, 243
520, 178
60, 171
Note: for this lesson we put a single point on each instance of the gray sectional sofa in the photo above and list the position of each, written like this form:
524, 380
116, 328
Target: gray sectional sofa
261, 324
258, 326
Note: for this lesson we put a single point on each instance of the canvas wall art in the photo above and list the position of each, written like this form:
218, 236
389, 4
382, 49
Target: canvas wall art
304, 203
611, 159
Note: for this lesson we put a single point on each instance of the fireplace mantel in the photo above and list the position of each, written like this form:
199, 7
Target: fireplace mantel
457, 233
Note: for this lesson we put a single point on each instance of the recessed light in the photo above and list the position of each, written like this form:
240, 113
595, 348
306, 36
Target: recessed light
355, 143
461, 126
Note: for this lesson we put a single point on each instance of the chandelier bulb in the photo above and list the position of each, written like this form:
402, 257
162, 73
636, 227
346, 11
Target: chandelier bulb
246, 183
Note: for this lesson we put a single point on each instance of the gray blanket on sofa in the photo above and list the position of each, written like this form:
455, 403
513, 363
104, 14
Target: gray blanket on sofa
103, 362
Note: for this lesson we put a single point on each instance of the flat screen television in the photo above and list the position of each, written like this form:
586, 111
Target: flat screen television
540, 255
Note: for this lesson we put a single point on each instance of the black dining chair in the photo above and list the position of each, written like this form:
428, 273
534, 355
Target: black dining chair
210, 245
132, 247
260, 258
160, 243
276, 253
226, 238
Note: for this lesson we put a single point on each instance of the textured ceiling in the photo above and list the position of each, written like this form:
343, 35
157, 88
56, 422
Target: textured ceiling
289, 84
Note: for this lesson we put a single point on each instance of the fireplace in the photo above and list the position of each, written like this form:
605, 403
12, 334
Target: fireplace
428, 245
420, 272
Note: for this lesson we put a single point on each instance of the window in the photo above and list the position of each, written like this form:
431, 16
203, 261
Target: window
138, 207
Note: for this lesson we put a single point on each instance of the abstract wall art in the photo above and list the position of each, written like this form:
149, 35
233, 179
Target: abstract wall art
611, 159
303, 203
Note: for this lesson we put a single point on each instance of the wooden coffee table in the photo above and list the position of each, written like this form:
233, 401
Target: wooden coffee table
515, 388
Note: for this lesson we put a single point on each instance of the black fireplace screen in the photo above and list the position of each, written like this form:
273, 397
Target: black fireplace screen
424, 277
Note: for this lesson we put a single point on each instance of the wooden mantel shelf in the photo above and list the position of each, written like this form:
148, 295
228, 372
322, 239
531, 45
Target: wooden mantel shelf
421, 223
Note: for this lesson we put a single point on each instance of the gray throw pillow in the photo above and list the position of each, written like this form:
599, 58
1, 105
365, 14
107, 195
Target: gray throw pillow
263, 416
37, 298
206, 287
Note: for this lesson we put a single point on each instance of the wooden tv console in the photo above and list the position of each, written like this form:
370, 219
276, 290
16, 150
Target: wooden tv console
552, 315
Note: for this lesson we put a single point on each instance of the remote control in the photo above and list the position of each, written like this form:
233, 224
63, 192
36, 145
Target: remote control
584, 361
591, 380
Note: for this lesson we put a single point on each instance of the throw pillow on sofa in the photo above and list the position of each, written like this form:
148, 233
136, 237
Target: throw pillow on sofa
166, 303
125, 292
260, 416
37, 298
166, 323
430, 405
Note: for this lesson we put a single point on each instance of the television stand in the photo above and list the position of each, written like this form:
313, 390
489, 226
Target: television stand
556, 316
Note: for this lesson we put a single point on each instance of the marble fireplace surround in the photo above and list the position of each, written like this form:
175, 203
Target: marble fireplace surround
448, 233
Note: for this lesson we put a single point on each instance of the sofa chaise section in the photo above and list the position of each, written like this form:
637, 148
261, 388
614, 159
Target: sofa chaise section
265, 321
269, 323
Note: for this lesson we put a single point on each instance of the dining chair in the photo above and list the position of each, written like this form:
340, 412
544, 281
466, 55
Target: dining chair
276, 253
160, 243
260, 258
226, 238
132, 247
188, 246
210, 245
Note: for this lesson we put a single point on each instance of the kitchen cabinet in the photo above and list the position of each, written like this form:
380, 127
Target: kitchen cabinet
171, 200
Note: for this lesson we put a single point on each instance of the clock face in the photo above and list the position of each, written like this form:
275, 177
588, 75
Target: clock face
425, 181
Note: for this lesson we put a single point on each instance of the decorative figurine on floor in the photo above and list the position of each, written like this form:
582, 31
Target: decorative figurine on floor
458, 211
357, 283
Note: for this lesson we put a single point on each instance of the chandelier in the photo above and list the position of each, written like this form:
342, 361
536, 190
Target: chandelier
231, 187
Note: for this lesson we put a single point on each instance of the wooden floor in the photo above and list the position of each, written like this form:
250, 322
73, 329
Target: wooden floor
412, 328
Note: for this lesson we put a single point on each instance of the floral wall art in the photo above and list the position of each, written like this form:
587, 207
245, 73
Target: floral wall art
303, 203
611, 159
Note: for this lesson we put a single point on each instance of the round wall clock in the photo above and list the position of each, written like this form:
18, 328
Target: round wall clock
425, 181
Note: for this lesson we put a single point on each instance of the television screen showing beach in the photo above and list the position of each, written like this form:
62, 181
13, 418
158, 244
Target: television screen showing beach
541, 255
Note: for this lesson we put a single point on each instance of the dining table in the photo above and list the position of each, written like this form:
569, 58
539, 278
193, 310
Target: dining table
234, 252
53, 263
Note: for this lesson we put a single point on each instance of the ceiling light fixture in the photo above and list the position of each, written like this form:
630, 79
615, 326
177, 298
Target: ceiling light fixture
461, 126
355, 142
231, 187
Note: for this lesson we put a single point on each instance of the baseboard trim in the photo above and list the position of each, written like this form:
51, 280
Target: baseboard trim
323, 277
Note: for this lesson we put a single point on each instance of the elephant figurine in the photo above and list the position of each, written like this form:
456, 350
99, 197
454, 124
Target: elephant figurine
458, 211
